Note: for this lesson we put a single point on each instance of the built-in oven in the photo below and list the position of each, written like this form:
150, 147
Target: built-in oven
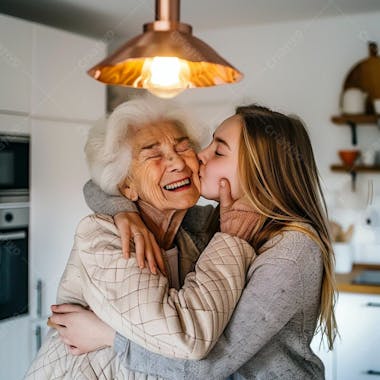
14, 165
14, 298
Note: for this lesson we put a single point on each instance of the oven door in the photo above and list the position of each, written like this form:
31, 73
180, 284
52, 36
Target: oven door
14, 298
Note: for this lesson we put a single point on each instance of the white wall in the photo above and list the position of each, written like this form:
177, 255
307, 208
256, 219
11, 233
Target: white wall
298, 67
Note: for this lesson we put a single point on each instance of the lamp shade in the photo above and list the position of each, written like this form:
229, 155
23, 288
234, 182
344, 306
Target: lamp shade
165, 59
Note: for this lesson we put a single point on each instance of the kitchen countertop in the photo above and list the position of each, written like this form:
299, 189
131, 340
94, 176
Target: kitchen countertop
344, 281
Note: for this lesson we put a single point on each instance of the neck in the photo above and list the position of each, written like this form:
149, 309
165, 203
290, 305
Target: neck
163, 224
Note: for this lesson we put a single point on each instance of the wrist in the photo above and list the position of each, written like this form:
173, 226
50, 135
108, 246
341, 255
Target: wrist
240, 223
109, 336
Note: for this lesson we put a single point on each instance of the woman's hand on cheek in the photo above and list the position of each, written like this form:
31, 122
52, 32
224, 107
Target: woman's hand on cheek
237, 217
132, 227
80, 328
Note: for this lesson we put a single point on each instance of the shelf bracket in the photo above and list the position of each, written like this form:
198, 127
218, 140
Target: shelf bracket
354, 135
353, 180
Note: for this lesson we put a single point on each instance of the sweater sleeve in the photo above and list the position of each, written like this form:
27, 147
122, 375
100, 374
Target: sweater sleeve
140, 305
103, 203
272, 296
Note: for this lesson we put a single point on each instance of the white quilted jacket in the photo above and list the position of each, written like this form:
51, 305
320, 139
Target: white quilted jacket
140, 305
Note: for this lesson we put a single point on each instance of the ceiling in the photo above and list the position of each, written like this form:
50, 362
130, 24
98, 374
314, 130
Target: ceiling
125, 17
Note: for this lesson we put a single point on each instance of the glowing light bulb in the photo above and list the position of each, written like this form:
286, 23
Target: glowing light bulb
165, 77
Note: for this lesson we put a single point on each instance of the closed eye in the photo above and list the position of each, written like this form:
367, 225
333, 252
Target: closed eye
182, 150
153, 156
183, 146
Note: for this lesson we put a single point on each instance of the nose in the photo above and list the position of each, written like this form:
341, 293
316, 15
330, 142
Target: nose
175, 162
204, 155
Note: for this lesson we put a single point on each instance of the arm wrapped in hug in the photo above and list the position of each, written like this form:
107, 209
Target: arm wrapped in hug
140, 305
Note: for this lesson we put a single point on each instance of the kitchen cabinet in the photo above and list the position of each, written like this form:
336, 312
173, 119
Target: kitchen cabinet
319, 346
45, 92
14, 348
357, 349
61, 87
356, 354
16, 43
58, 173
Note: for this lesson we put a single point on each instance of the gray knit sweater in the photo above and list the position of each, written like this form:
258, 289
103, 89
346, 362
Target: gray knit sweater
273, 324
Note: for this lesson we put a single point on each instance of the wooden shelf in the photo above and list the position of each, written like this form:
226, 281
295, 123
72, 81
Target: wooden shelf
357, 168
354, 170
356, 119
353, 121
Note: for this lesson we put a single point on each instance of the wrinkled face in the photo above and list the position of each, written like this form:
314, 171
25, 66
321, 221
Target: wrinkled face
164, 168
220, 160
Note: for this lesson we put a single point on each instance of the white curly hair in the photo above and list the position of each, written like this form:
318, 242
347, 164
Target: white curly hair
108, 151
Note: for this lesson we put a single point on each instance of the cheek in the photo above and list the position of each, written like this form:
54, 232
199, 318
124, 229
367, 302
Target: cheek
213, 173
192, 162
147, 181
236, 190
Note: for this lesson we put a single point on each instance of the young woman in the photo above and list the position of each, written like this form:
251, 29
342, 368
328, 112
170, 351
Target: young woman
265, 158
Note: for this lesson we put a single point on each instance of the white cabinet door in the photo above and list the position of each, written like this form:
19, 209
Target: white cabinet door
16, 41
328, 357
61, 87
14, 348
59, 172
37, 332
358, 350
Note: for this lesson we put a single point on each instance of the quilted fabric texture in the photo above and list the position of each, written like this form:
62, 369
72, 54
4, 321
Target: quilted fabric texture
54, 361
140, 305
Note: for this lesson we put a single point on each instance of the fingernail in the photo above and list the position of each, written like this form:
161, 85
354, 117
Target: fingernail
222, 183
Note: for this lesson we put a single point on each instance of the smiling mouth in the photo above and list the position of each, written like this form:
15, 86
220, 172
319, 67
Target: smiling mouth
178, 185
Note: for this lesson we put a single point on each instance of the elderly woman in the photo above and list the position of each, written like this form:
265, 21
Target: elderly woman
145, 152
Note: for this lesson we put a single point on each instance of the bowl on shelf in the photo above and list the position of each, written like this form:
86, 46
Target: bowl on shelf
349, 156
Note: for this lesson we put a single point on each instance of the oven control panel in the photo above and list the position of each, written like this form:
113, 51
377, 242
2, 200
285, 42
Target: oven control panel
13, 216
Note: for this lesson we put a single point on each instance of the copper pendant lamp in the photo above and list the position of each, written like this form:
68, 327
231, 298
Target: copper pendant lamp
166, 58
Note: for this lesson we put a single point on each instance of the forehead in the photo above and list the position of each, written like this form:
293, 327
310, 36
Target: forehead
230, 129
156, 133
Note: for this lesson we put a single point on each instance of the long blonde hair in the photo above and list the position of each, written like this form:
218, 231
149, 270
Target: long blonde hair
279, 177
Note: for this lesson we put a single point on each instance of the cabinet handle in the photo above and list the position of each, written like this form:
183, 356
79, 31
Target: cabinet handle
373, 304
38, 337
373, 372
39, 298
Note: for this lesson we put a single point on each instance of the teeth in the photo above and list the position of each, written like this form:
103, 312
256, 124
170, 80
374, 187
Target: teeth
176, 185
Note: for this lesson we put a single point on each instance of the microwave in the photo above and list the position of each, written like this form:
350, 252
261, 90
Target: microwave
14, 165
